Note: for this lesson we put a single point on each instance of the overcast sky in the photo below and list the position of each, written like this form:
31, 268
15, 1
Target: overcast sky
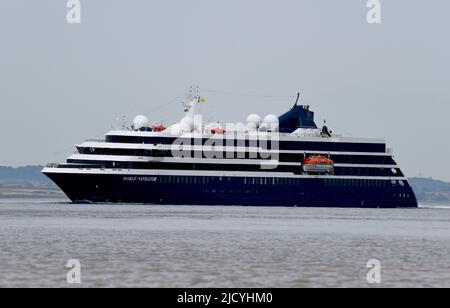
61, 83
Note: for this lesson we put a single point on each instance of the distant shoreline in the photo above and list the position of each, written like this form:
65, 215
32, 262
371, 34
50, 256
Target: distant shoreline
432, 204
30, 193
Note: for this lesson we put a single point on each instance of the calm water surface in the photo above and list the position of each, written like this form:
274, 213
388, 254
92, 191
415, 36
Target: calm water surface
181, 246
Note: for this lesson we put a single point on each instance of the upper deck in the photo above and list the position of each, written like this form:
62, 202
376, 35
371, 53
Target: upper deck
283, 141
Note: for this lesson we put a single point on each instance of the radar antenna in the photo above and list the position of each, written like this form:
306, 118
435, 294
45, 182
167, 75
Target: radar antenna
298, 98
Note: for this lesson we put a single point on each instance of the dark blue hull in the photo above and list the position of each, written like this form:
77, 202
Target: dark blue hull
302, 192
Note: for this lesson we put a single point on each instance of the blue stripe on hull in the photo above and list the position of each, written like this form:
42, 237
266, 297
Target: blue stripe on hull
230, 191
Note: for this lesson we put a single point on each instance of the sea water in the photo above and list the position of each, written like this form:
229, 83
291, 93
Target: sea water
201, 246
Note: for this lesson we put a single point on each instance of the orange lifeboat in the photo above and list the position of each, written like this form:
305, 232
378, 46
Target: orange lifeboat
159, 128
217, 131
318, 164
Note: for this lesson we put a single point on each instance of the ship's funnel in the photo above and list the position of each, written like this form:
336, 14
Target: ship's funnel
298, 117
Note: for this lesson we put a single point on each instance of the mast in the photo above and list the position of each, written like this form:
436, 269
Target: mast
193, 100
298, 98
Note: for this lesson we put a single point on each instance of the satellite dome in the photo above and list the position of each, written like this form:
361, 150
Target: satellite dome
271, 118
271, 122
254, 118
185, 128
187, 124
251, 127
140, 121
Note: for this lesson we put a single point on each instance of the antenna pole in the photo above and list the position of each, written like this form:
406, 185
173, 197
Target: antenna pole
298, 98
198, 93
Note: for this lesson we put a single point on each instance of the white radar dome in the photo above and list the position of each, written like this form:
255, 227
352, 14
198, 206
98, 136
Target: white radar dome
254, 118
271, 121
187, 124
140, 121
185, 128
271, 118
251, 127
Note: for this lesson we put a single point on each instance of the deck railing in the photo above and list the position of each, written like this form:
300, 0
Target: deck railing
95, 140
52, 165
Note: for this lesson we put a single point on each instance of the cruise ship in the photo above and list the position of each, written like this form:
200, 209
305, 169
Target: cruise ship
267, 161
